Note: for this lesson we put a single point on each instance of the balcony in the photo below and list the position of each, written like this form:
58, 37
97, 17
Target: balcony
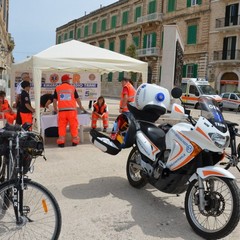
153, 17
226, 55
148, 52
228, 22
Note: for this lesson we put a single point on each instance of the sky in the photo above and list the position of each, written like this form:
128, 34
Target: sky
33, 23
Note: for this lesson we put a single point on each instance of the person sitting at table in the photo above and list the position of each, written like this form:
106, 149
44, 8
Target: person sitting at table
6, 110
65, 98
45, 100
100, 110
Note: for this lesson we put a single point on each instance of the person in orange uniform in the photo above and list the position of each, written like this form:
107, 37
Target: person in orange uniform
25, 109
65, 98
5, 108
100, 110
127, 95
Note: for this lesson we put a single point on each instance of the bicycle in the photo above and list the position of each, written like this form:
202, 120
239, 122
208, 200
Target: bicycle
28, 210
234, 155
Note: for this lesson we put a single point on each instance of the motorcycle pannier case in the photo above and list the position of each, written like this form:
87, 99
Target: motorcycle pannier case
122, 136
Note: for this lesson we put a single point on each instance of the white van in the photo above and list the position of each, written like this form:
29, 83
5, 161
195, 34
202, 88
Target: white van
193, 88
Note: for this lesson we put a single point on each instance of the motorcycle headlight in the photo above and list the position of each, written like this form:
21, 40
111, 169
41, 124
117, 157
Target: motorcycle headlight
219, 140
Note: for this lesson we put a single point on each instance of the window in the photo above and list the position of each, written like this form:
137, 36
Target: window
65, 36
110, 77
229, 48
190, 71
78, 33
233, 97
122, 45
71, 34
59, 39
125, 18
111, 45
86, 31
192, 89
104, 25
113, 21
152, 7
120, 76
171, 5
101, 44
192, 34
191, 3
231, 15
226, 95
149, 40
138, 13
136, 41
94, 27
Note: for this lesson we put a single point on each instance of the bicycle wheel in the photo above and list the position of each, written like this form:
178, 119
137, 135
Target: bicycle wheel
39, 212
2, 168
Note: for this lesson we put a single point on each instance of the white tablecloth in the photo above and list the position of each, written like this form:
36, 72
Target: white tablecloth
51, 121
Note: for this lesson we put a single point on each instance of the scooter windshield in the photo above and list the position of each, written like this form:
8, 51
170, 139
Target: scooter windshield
210, 110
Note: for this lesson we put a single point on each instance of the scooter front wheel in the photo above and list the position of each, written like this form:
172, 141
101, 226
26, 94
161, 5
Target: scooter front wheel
134, 169
221, 210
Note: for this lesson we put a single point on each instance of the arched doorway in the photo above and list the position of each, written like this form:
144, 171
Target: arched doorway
229, 82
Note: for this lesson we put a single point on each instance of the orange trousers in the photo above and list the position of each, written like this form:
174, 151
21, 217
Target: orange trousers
65, 118
10, 117
26, 118
95, 117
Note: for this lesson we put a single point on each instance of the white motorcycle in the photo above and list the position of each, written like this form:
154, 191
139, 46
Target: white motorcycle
179, 158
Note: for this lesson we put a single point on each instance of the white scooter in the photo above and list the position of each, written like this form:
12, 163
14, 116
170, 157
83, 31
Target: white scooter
179, 158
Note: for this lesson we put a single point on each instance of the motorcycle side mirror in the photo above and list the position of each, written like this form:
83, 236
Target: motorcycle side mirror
176, 92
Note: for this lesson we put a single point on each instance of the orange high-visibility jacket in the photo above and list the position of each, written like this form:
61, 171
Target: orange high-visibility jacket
66, 99
131, 95
101, 109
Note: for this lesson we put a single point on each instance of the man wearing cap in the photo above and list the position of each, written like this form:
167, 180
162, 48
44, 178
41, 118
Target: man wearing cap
25, 108
127, 95
64, 102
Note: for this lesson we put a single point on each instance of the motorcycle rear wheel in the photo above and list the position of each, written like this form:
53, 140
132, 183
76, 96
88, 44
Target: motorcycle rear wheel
133, 169
222, 209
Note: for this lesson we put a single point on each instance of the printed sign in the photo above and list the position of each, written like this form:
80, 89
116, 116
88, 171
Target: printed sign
88, 85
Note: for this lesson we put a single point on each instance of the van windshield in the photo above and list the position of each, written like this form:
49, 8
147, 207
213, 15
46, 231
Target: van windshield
207, 90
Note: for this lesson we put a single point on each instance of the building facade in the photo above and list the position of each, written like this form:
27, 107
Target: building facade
6, 45
135, 28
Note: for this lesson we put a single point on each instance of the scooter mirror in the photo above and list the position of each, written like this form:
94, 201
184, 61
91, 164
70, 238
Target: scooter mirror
176, 92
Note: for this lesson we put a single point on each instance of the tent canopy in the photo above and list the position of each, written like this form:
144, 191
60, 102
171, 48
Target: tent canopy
75, 56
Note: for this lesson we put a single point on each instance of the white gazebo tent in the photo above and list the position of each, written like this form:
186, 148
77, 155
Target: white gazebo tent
75, 56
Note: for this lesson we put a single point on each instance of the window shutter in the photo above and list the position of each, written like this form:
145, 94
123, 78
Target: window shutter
138, 13
199, 2
112, 45
136, 41
233, 47
227, 15
122, 45
154, 39
86, 31
225, 44
171, 5
152, 7
79, 33
189, 3
120, 76
145, 41
192, 34
195, 70
94, 28
59, 39
110, 77
114, 21
184, 71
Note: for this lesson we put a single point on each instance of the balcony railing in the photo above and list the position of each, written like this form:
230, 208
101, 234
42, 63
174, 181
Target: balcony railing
227, 22
151, 52
226, 55
150, 18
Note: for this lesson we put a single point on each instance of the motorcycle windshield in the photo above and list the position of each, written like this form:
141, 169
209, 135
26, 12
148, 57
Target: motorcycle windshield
210, 110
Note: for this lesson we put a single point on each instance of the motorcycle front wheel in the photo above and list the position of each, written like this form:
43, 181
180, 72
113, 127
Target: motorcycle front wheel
221, 212
134, 169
